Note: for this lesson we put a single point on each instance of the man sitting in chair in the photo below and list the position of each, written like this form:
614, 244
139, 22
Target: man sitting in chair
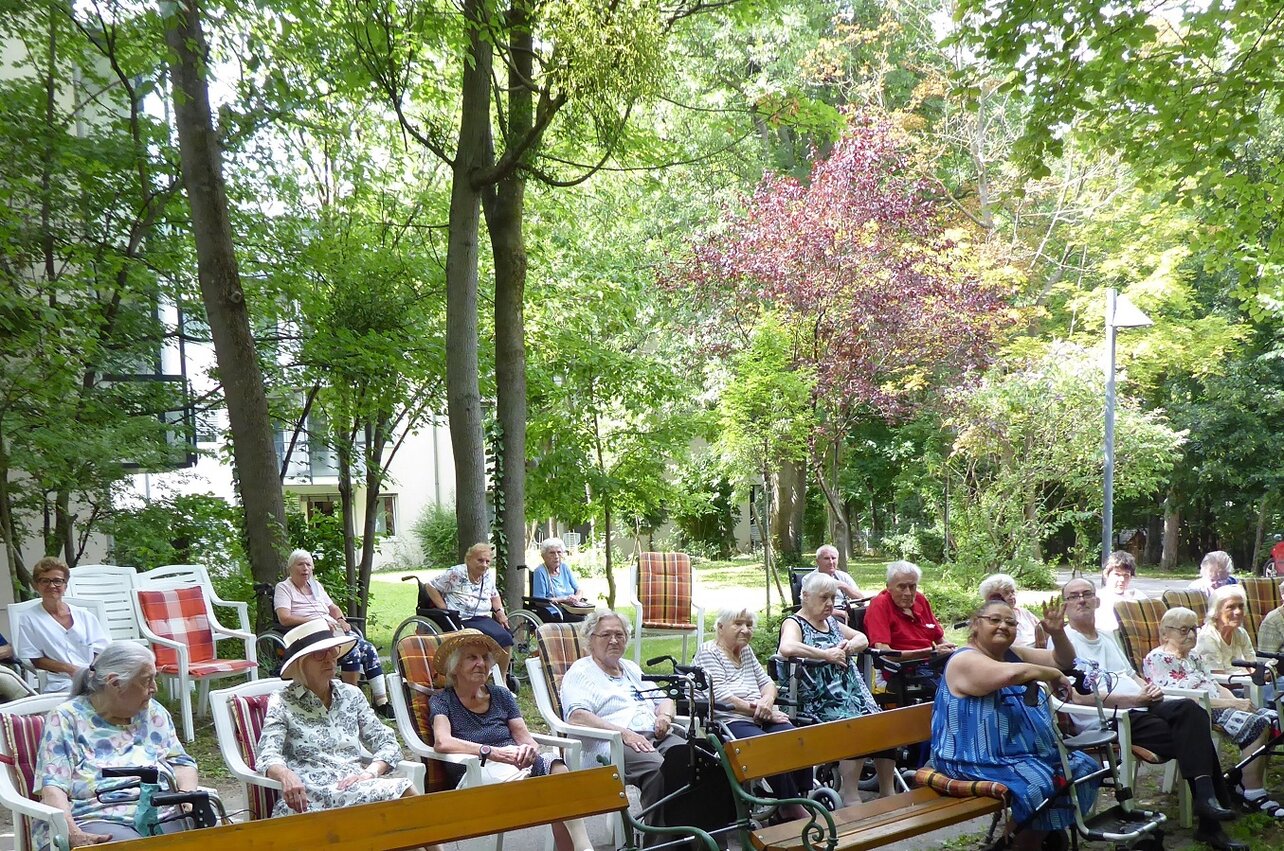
606, 691
848, 591
901, 618
1172, 729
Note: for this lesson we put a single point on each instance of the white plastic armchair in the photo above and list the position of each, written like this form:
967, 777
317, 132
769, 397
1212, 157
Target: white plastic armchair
663, 585
230, 748
178, 575
113, 586
19, 745
584, 735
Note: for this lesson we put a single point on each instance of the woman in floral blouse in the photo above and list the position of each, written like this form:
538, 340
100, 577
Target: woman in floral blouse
1172, 665
111, 720
315, 727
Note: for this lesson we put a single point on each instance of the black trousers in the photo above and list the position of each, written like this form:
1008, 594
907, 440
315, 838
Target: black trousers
1180, 730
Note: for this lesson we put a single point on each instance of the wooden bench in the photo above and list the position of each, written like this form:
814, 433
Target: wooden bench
425, 819
869, 825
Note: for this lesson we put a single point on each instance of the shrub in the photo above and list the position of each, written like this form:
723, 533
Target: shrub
438, 536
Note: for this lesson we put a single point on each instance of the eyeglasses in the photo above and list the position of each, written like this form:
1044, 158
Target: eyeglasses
610, 636
996, 620
1081, 595
52, 583
1184, 630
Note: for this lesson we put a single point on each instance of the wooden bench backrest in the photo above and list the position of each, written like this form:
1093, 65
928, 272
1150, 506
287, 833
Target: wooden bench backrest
790, 750
411, 822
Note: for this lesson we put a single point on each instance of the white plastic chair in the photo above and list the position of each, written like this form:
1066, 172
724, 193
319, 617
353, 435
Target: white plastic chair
663, 584
225, 733
181, 575
113, 585
23, 808
18, 611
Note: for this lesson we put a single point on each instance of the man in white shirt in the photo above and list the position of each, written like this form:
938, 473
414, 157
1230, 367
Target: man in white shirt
827, 563
1173, 729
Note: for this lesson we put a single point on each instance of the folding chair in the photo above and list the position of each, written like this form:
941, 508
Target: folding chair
663, 603
181, 627
238, 721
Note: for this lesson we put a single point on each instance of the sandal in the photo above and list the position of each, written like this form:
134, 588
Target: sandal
1264, 804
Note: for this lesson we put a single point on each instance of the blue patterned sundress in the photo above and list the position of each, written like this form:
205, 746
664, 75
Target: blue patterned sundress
997, 737
836, 692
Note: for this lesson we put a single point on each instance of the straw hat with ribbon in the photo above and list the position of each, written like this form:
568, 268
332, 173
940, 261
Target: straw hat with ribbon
452, 641
309, 638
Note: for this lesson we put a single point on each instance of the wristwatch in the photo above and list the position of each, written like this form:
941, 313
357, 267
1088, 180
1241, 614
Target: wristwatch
484, 753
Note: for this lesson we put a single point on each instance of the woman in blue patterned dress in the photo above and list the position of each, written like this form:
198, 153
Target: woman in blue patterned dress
835, 691
982, 728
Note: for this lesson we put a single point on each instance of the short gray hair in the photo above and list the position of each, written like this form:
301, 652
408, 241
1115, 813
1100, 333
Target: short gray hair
819, 583
297, 556
549, 543
1177, 613
728, 614
597, 615
1219, 598
898, 568
123, 660
824, 547
447, 666
995, 583
1217, 558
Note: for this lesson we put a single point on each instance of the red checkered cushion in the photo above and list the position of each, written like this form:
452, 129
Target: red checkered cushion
178, 614
664, 588
247, 725
559, 649
21, 739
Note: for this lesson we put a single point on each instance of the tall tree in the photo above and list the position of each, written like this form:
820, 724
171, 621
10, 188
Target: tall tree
253, 446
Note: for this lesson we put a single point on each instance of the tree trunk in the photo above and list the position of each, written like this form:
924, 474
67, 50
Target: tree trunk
504, 207
1263, 512
463, 392
18, 573
788, 500
253, 453
375, 439
1172, 532
606, 516
348, 517
1154, 539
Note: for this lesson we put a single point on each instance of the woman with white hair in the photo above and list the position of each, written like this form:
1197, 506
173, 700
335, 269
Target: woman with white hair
110, 721
1002, 587
737, 678
1214, 572
475, 717
554, 581
1222, 638
837, 690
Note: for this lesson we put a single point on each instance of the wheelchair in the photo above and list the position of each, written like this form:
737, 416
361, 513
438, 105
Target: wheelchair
428, 619
269, 646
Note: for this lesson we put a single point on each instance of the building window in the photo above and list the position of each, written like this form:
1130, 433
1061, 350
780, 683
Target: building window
322, 504
386, 516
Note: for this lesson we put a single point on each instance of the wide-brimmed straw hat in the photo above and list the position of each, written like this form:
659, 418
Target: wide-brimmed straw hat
464, 637
309, 638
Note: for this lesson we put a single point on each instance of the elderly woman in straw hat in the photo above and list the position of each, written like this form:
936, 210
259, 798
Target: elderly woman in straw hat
476, 717
315, 728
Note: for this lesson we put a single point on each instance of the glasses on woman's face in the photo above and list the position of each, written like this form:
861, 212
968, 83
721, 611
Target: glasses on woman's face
1184, 631
999, 620
51, 583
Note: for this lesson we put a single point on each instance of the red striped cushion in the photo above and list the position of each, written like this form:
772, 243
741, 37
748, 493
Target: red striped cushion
247, 724
953, 788
664, 587
559, 649
178, 614
21, 739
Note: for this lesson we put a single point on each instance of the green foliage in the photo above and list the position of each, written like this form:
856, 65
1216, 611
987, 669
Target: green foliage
438, 536
185, 529
705, 515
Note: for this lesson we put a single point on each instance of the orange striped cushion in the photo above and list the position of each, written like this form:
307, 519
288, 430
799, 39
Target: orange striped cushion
559, 649
1193, 600
247, 724
1139, 627
414, 659
664, 587
1263, 595
953, 788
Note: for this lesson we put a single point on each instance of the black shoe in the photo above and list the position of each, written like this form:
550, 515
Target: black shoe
384, 710
1209, 808
1217, 839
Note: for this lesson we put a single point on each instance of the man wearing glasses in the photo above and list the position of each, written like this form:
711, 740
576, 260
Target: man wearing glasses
1172, 729
606, 691
57, 637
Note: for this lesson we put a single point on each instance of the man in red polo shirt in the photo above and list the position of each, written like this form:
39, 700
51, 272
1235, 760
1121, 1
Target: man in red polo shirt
900, 618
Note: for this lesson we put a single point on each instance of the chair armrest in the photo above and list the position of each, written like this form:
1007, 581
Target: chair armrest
572, 750
414, 771
219, 629
613, 739
261, 779
53, 816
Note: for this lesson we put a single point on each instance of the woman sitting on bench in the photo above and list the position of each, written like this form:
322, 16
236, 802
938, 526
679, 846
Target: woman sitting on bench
982, 729
835, 691
475, 717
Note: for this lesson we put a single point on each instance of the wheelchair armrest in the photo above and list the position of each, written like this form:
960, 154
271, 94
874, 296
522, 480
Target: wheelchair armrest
527, 602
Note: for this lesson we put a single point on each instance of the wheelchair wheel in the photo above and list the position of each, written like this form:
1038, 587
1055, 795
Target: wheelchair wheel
827, 797
523, 625
413, 625
269, 650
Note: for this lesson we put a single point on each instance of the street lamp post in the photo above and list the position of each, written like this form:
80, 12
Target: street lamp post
1120, 313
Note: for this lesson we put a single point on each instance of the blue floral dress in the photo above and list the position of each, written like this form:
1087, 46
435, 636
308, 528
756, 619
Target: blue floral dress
998, 738
835, 692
